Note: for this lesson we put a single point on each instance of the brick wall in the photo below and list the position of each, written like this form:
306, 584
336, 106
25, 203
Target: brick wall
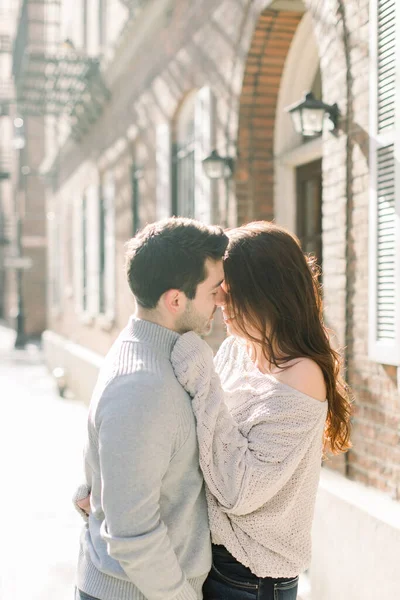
342, 32
375, 457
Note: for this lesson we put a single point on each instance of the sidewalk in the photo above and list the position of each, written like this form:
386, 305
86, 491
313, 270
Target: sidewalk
41, 438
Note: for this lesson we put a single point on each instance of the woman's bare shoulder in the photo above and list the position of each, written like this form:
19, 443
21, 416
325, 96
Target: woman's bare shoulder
304, 375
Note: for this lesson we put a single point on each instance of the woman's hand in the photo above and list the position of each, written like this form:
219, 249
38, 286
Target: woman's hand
192, 361
81, 500
84, 504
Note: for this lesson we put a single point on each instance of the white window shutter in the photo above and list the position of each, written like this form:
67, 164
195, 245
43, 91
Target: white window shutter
92, 237
109, 267
204, 129
384, 217
163, 164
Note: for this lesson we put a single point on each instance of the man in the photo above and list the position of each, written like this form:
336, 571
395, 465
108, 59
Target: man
147, 535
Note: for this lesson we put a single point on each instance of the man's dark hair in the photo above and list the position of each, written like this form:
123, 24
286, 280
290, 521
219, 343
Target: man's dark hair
171, 254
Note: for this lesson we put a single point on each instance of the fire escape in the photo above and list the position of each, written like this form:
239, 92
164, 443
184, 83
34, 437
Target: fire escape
51, 77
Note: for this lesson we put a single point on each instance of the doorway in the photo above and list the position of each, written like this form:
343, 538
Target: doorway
309, 208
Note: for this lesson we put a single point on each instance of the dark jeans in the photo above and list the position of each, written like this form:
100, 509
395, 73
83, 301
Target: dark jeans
230, 580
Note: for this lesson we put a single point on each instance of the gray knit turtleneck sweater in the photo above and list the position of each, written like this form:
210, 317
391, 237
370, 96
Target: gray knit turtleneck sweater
147, 535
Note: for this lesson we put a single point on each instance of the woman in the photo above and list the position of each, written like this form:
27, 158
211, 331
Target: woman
264, 414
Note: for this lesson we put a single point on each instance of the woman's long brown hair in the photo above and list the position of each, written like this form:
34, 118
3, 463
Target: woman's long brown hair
274, 293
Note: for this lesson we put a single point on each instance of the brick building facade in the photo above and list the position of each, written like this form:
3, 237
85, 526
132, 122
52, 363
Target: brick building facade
183, 78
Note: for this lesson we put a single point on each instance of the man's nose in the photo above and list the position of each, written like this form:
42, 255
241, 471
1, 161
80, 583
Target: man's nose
220, 298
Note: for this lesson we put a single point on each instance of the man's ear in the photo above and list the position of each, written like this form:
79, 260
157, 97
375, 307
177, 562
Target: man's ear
174, 301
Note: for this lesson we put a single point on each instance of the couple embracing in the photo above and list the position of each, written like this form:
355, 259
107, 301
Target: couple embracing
180, 444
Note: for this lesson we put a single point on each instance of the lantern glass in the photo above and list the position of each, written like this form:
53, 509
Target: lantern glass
297, 120
313, 119
218, 167
309, 115
214, 168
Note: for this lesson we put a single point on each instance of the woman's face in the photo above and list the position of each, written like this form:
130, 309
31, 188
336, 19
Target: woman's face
222, 301
250, 332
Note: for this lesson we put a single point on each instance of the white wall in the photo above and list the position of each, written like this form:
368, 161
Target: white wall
356, 542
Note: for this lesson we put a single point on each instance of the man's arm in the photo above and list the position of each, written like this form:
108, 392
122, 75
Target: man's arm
136, 430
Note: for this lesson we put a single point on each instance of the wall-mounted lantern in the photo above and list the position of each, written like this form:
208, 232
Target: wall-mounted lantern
309, 115
218, 167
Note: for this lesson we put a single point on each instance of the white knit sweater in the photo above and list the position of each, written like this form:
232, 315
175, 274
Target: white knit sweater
260, 452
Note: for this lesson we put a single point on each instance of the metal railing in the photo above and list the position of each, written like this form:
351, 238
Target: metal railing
51, 77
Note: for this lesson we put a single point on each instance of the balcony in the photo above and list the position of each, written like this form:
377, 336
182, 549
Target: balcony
51, 77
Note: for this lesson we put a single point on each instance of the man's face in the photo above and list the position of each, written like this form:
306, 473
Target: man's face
199, 312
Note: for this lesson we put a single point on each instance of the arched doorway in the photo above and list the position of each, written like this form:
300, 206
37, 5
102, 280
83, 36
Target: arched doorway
279, 174
297, 160
254, 179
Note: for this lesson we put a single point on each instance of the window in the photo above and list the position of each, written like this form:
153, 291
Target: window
102, 23
86, 244
384, 256
102, 252
164, 206
309, 208
106, 247
194, 129
84, 253
85, 24
136, 175
204, 128
56, 267
185, 190
183, 160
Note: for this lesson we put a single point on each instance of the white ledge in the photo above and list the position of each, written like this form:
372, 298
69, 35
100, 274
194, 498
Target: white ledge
369, 500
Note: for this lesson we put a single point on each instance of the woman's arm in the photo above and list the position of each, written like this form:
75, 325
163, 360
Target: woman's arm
244, 467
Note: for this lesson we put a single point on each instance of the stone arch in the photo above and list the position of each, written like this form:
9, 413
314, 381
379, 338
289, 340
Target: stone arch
273, 29
254, 178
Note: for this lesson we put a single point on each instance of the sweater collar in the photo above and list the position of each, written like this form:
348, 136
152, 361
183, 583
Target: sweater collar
161, 338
